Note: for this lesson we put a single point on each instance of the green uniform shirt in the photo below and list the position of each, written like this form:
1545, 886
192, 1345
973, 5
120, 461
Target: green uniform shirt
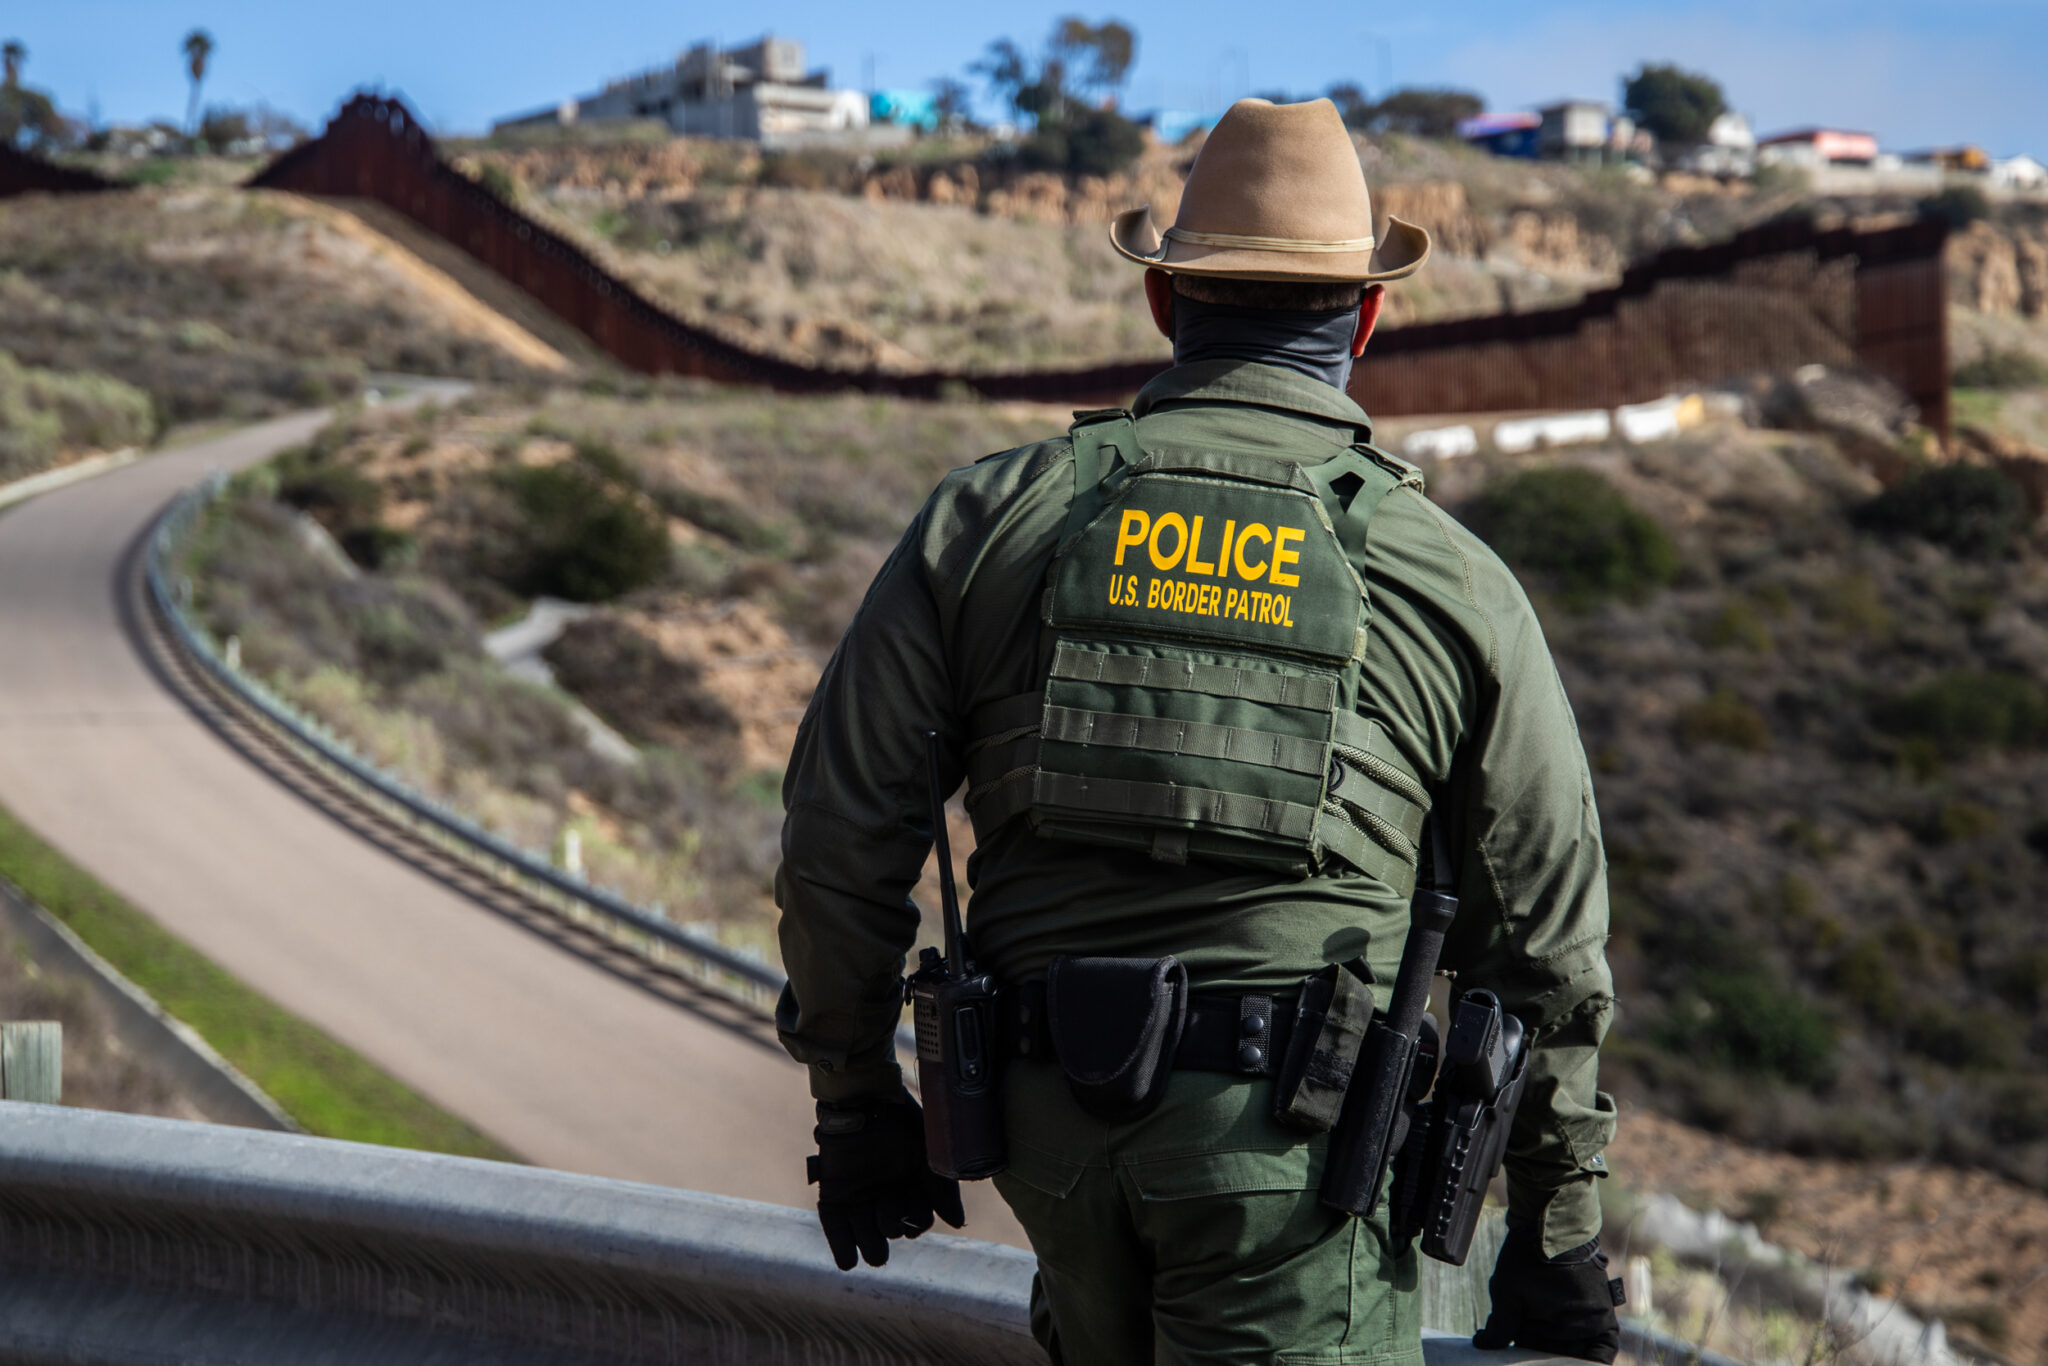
1456, 672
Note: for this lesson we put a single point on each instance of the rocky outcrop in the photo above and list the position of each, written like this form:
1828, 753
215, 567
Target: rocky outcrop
1441, 207
2000, 270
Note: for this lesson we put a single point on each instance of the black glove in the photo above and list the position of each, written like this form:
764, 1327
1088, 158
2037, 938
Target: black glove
873, 1184
1563, 1305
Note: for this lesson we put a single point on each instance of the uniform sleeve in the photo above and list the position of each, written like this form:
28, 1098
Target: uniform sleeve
857, 831
1532, 924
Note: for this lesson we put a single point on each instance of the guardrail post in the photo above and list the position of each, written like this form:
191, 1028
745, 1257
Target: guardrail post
1455, 1299
32, 1061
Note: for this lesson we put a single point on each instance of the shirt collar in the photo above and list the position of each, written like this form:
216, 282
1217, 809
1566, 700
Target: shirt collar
1248, 383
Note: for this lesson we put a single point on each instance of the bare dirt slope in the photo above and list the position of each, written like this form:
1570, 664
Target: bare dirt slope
1962, 1245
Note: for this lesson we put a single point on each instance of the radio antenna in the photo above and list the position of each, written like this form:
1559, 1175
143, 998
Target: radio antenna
949, 894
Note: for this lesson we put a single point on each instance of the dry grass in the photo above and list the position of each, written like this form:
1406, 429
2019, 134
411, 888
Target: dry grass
779, 511
219, 301
99, 1072
47, 416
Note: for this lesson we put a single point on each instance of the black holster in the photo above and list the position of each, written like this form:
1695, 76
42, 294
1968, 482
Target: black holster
1387, 1083
1115, 1023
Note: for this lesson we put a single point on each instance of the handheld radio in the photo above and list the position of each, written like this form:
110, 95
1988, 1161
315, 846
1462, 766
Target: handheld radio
953, 1011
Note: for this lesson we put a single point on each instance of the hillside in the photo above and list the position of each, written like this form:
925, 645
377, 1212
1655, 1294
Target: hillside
220, 302
952, 256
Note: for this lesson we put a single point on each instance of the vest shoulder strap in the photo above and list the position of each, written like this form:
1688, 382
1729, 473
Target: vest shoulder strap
1101, 437
1353, 485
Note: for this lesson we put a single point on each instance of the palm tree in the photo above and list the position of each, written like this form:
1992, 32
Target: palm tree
198, 47
13, 54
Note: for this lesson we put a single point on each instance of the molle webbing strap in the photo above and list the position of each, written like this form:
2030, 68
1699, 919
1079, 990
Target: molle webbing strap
1368, 856
1294, 753
1216, 680
1166, 801
1372, 779
1094, 434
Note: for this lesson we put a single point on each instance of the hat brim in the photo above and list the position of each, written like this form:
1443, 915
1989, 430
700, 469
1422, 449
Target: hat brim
1400, 254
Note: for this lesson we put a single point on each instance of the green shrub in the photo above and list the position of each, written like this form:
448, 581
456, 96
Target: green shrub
2019, 1111
2023, 978
1963, 819
45, 413
1722, 718
1572, 527
1958, 205
498, 181
1959, 712
1737, 626
2002, 368
1972, 510
1742, 1021
1865, 977
585, 538
1087, 142
1980, 1038
341, 497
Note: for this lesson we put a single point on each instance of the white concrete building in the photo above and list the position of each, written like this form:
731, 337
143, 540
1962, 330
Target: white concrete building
2021, 175
758, 93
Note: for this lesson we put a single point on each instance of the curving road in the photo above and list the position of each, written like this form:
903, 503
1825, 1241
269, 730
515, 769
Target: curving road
557, 1059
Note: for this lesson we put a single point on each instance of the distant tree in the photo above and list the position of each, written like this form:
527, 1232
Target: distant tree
953, 103
198, 47
1676, 106
1958, 206
1351, 102
29, 117
1093, 57
222, 128
26, 115
1069, 131
1424, 113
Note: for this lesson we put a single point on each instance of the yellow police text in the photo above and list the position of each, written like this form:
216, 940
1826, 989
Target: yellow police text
1171, 541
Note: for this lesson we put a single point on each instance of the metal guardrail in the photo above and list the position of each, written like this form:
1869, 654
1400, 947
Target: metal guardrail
751, 982
132, 1239
127, 1240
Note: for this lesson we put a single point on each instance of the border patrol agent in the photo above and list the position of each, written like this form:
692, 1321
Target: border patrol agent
1204, 666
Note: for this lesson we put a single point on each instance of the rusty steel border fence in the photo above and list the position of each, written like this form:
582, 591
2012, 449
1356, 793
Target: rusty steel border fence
26, 173
1774, 297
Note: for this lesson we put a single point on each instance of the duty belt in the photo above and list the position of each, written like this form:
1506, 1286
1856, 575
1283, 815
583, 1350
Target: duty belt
1244, 1036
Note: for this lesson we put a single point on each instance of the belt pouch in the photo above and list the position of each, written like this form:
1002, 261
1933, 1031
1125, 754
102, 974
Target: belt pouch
1330, 1021
1116, 1023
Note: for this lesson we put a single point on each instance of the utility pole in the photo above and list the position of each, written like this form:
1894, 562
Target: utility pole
1386, 62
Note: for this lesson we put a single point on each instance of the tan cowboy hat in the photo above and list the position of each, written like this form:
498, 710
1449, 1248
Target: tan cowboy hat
1276, 193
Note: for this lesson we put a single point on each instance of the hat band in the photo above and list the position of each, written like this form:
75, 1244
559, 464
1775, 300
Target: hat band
1234, 239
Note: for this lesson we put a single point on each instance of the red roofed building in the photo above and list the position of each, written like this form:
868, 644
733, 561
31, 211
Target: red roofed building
1818, 147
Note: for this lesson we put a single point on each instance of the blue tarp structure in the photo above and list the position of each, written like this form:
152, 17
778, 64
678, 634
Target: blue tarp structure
911, 108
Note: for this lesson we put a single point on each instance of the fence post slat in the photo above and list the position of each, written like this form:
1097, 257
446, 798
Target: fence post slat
32, 1061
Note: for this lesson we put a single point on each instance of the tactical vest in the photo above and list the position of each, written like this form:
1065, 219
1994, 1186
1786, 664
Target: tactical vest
1205, 630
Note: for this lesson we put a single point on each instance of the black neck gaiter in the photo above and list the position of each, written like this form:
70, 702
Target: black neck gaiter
1316, 344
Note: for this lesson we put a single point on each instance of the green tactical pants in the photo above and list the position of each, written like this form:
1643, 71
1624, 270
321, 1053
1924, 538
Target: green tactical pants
1194, 1235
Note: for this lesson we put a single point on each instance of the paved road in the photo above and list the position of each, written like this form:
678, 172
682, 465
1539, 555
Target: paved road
555, 1058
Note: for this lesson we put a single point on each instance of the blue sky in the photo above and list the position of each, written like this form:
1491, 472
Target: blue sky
1915, 73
